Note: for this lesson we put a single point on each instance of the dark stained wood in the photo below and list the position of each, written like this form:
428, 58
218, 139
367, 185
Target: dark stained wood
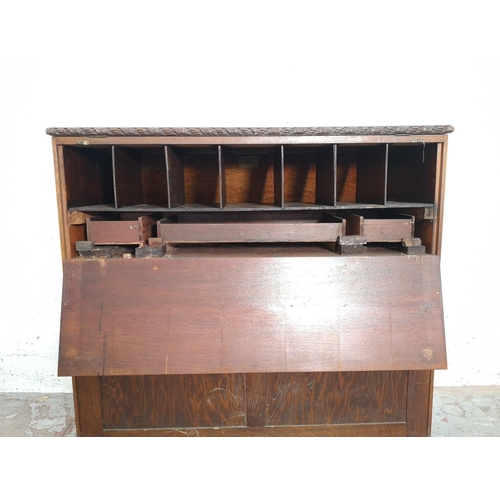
424, 230
371, 179
250, 176
173, 401
127, 176
201, 176
279, 176
300, 175
346, 175
390, 228
233, 307
326, 230
88, 176
288, 399
412, 172
140, 176
419, 403
76, 233
175, 177
88, 411
126, 232
359, 430
326, 173
264, 314
154, 177
222, 178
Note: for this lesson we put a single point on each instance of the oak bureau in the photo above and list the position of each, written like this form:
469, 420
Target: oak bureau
251, 281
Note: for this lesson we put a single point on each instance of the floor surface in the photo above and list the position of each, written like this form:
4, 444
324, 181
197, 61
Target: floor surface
457, 412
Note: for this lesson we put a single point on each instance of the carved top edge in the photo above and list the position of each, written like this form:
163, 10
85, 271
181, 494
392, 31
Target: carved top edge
251, 131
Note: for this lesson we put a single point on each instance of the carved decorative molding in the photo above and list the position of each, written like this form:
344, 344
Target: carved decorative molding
252, 131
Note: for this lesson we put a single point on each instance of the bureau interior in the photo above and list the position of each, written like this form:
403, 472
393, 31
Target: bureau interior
121, 183
252, 177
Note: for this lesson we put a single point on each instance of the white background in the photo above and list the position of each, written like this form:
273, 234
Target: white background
246, 64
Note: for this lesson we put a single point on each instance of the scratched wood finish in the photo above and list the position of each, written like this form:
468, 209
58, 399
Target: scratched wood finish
173, 401
221, 315
253, 400
326, 398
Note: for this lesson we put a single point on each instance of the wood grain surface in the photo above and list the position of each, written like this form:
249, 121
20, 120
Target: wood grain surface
253, 400
249, 315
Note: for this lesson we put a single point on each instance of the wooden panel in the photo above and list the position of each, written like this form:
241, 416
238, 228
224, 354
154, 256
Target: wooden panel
201, 177
88, 411
175, 177
140, 176
326, 173
256, 400
300, 175
241, 232
222, 178
419, 403
279, 176
173, 401
88, 176
372, 174
391, 228
346, 175
128, 177
326, 398
76, 233
246, 315
250, 175
154, 177
412, 172
127, 232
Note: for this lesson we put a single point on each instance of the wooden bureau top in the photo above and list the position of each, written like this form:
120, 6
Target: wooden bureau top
246, 131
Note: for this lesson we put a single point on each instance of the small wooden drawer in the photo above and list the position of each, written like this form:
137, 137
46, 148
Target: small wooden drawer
386, 228
119, 232
326, 228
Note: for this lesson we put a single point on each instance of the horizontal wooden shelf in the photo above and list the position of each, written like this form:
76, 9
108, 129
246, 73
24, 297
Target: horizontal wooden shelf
242, 207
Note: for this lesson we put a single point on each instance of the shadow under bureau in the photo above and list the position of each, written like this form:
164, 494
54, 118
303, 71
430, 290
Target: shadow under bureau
251, 281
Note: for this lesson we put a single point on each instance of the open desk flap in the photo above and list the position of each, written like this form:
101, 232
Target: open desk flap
251, 314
